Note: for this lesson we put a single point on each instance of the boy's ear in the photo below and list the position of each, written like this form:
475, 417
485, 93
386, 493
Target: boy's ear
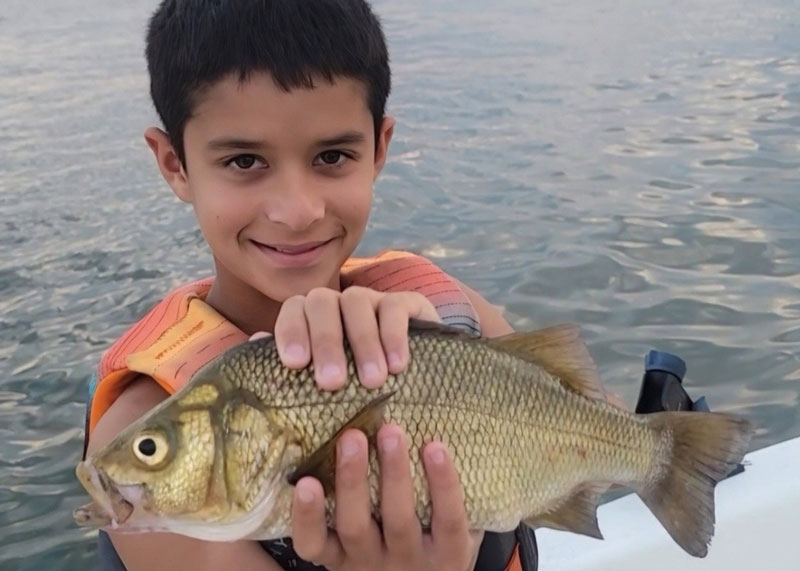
168, 162
382, 146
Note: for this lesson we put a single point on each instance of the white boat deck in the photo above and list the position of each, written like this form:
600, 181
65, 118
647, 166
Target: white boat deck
758, 527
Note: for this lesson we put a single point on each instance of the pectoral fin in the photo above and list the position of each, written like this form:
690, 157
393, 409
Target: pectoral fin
321, 464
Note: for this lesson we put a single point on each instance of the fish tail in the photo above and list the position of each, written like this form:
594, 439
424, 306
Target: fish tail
703, 448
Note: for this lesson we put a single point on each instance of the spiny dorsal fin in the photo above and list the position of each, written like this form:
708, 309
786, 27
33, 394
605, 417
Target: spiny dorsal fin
577, 514
561, 352
423, 325
321, 464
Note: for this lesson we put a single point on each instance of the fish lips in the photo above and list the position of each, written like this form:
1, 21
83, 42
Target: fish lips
92, 515
116, 502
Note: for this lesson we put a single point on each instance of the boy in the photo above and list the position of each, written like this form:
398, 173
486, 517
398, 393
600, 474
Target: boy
275, 132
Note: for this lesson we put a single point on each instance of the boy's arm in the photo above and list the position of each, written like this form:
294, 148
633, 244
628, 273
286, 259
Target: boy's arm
167, 551
493, 324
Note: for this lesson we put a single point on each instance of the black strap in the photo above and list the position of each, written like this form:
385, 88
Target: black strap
528, 550
497, 549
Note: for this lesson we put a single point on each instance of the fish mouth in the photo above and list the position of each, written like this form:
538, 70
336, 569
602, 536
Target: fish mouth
112, 505
92, 515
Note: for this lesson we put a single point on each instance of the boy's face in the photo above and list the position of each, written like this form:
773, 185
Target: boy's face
281, 182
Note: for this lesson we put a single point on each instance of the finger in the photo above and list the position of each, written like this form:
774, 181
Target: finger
259, 335
311, 538
394, 311
324, 320
476, 537
291, 333
401, 528
355, 527
361, 326
449, 525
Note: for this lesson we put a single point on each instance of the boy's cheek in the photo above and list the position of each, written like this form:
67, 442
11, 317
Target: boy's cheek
217, 200
355, 205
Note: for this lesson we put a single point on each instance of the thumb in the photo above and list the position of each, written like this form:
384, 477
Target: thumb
259, 335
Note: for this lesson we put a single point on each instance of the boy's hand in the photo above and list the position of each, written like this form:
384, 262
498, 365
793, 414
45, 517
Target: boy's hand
312, 327
358, 543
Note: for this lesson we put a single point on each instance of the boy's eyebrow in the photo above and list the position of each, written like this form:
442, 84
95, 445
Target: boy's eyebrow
224, 143
348, 138
234, 143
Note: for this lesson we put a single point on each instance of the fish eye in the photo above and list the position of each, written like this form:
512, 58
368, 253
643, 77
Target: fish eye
150, 449
147, 447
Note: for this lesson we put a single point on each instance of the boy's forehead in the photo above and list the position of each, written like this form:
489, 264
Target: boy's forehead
258, 103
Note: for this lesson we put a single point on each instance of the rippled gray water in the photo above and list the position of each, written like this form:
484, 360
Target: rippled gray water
629, 165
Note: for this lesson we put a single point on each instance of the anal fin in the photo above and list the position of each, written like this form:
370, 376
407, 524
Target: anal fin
577, 514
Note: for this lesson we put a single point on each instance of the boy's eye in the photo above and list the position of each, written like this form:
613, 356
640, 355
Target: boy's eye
331, 158
243, 162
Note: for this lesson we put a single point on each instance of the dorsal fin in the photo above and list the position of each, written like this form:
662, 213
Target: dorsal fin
561, 352
321, 464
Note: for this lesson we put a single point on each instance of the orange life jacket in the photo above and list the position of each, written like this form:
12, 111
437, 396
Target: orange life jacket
183, 333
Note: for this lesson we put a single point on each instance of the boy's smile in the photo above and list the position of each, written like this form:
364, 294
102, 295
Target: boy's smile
294, 255
280, 181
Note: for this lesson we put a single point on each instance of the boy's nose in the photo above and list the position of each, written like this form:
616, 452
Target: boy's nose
295, 204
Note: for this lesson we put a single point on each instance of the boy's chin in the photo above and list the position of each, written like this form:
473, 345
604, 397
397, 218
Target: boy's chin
283, 284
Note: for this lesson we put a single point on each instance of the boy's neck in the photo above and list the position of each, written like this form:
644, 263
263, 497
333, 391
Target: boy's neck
244, 306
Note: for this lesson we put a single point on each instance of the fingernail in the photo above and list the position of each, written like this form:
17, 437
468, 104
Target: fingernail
371, 372
349, 448
304, 495
328, 374
395, 362
294, 352
438, 456
389, 443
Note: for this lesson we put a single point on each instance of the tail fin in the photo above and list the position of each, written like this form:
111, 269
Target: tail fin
705, 448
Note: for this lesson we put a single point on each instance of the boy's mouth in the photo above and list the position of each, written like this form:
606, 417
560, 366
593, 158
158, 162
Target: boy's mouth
295, 255
293, 249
